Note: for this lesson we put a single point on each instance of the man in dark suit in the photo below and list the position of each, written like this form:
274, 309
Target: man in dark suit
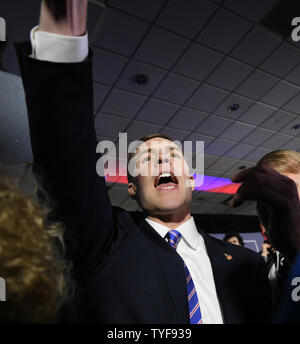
162, 269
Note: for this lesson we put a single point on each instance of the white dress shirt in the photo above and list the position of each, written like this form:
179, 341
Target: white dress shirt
192, 250
52, 47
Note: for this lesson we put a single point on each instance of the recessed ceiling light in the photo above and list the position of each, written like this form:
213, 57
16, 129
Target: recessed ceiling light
139, 79
242, 167
233, 107
296, 126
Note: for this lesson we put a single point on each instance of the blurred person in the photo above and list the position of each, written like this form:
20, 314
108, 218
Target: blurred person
234, 238
163, 269
31, 263
275, 184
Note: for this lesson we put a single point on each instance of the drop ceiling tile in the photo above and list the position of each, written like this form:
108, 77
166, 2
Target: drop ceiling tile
237, 167
202, 196
100, 92
294, 76
257, 84
257, 114
138, 129
157, 111
200, 208
218, 209
178, 135
232, 27
220, 197
117, 193
239, 151
146, 9
280, 94
255, 47
258, 136
123, 103
257, 154
94, 14
130, 205
294, 144
223, 164
289, 128
237, 131
116, 202
122, 38
293, 105
219, 147
278, 120
229, 74
276, 141
107, 138
187, 119
282, 61
161, 48
197, 137
197, 62
209, 160
253, 10
107, 66
176, 89
207, 98
224, 108
154, 75
212, 173
107, 125
213, 126
186, 17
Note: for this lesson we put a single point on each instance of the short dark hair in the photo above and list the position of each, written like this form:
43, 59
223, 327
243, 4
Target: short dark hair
231, 234
144, 139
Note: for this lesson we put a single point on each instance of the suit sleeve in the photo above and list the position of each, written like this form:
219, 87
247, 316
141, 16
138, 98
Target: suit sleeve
261, 305
59, 99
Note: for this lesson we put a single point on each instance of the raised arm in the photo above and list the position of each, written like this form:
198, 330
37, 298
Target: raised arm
59, 99
64, 17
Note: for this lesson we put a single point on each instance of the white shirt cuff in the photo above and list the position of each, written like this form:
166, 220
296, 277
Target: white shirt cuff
52, 47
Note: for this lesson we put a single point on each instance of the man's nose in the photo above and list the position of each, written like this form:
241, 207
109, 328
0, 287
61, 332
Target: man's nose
163, 160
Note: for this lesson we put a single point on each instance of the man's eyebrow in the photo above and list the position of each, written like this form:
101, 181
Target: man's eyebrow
144, 151
149, 150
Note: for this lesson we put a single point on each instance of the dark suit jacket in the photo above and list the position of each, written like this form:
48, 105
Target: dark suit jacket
125, 271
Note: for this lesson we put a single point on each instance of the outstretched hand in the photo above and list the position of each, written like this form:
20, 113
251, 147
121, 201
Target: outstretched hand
277, 202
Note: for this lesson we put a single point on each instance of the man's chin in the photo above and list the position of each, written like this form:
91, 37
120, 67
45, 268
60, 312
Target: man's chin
170, 209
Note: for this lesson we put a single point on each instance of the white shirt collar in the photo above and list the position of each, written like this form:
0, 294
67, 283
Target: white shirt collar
188, 231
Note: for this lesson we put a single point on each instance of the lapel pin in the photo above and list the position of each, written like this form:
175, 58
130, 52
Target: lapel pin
228, 256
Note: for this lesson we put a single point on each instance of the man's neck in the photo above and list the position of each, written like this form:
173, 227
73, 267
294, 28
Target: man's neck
171, 221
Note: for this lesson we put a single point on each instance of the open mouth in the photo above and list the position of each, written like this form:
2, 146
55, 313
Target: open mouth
166, 181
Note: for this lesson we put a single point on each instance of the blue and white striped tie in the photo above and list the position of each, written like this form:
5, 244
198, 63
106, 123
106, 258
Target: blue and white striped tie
173, 237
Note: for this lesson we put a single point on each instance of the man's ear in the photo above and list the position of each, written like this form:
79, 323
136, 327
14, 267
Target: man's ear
192, 183
132, 190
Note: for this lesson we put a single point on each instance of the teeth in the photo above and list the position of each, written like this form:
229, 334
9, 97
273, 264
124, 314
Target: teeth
169, 187
164, 175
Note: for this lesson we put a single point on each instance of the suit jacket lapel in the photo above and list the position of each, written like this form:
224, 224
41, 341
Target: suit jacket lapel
227, 282
173, 269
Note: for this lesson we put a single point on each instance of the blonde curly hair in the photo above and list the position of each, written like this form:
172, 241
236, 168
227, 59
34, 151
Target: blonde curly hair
31, 263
